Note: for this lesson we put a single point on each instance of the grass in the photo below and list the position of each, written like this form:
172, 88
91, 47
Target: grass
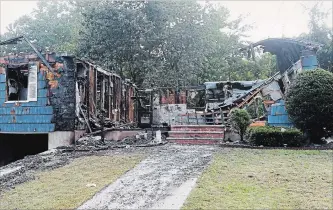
265, 179
65, 187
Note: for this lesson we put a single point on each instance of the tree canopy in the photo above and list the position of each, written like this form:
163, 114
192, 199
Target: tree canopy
164, 43
321, 33
53, 26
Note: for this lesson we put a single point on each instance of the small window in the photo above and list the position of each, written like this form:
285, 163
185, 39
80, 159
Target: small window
22, 82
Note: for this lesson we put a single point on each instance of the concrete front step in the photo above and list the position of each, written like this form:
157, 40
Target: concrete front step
194, 140
196, 134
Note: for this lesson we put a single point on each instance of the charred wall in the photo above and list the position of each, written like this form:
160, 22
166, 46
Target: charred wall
63, 96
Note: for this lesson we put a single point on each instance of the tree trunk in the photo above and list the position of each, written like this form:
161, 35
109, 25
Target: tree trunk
241, 136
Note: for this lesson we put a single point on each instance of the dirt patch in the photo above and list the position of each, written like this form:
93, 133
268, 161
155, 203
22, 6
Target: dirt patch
154, 179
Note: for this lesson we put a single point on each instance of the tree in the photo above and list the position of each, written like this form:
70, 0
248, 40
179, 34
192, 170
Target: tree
166, 43
320, 33
119, 36
53, 25
310, 103
240, 120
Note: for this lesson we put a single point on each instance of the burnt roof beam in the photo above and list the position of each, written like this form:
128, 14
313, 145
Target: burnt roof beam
18, 39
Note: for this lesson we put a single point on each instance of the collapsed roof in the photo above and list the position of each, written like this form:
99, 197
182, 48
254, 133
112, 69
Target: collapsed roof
243, 96
287, 50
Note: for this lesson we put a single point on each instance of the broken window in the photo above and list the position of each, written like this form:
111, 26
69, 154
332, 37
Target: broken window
22, 82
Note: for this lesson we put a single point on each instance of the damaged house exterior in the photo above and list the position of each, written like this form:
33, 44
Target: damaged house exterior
60, 96
293, 56
264, 99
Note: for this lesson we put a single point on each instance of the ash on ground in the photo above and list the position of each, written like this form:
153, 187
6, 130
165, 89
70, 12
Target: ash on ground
23, 170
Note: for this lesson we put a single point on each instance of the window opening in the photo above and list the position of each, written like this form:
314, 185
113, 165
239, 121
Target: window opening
22, 83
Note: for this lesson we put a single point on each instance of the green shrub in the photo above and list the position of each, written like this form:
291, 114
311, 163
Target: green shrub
310, 103
275, 137
240, 120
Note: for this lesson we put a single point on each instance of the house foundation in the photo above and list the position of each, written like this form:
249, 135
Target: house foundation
60, 138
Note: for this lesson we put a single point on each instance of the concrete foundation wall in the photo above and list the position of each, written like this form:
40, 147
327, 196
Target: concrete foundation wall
60, 138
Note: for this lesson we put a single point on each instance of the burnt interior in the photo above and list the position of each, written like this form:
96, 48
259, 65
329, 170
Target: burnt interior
17, 83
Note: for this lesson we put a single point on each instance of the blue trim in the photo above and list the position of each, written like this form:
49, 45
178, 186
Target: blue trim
40, 102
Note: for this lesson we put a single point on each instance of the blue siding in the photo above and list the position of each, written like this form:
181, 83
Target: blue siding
12, 119
2, 78
41, 77
309, 62
42, 85
278, 115
278, 110
18, 110
26, 117
26, 128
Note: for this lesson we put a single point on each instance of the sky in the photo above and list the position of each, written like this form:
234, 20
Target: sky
270, 19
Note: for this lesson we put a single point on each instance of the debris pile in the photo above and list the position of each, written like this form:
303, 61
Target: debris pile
90, 143
144, 139
95, 143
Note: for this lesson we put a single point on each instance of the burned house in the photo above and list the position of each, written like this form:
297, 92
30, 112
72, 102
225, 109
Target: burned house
264, 99
293, 56
48, 100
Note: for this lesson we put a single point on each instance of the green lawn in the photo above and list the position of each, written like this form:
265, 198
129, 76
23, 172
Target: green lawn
66, 187
265, 179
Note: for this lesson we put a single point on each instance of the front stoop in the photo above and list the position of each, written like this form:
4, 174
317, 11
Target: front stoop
196, 134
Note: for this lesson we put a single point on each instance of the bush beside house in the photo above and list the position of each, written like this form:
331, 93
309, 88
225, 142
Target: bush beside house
240, 120
310, 103
275, 137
